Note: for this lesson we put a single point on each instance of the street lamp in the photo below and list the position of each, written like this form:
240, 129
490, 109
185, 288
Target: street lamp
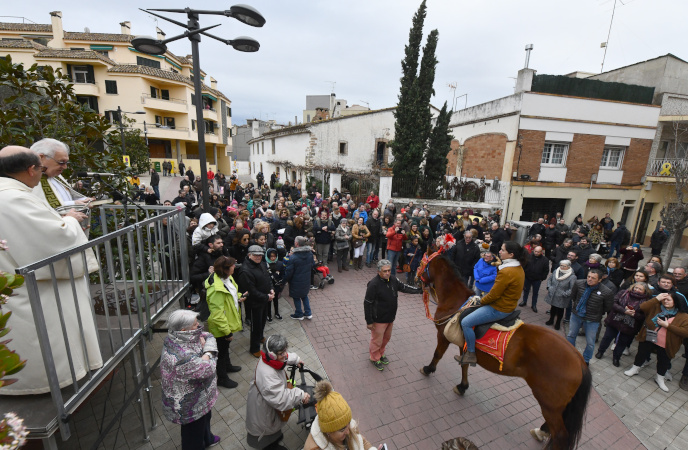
146, 44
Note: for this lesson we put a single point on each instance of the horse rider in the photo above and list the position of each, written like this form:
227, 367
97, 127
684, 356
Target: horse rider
500, 301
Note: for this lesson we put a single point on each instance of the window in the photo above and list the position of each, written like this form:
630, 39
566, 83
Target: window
165, 94
103, 52
158, 120
112, 116
169, 122
554, 154
193, 125
91, 102
147, 62
262, 146
229, 112
209, 127
343, 148
80, 74
110, 86
612, 157
155, 92
273, 146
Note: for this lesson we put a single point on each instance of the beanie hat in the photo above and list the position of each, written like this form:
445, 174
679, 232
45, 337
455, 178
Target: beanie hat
333, 411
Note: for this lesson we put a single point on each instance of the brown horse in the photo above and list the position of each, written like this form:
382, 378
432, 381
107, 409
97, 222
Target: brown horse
552, 367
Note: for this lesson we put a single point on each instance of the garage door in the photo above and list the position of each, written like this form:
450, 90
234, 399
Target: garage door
599, 208
534, 208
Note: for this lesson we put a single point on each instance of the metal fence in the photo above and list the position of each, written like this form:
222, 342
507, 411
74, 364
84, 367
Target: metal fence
452, 188
136, 270
663, 167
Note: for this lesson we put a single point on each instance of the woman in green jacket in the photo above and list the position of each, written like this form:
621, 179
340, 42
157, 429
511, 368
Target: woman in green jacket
222, 295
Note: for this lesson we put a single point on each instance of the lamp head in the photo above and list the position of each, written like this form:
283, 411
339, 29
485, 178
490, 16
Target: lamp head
246, 14
149, 45
245, 44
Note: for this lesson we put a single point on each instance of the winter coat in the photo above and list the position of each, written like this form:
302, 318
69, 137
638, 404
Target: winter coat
340, 237
537, 228
583, 252
619, 320
484, 274
414, 255
465, 256
255, 278
199, 269
618, 234
189, 384
560, 253
395, 240
291, 233
201, 233
616, 276
507, 288
155, 179
225, 317
657, 240
630, 259
323, 237
317, 440
360, 233
268, 394
549, 239
559, 291
595, 236
373, 226
537, 268
562, 233
677, 331
297, 271
380, 304
600, 301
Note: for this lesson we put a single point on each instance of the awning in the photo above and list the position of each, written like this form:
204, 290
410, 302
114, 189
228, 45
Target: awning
209, 96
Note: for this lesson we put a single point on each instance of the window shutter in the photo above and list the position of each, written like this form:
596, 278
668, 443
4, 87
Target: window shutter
110, 86
229, 112
69, 72
90, 76
165, 94
153, 92
193, 125
94, 103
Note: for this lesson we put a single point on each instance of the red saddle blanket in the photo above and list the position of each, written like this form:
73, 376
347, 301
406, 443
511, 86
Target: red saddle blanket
494, 343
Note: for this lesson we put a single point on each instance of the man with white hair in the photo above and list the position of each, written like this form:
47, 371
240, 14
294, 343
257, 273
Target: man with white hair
53, 188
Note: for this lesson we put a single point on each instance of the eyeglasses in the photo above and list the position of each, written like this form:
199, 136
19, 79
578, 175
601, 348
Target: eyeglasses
59, 163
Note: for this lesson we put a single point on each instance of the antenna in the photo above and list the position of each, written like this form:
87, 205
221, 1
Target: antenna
606, 43
452, 86
333, 83
367, 103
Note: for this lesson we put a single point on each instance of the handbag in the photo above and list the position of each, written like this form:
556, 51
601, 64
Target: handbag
407, 267
651, 336
359, 243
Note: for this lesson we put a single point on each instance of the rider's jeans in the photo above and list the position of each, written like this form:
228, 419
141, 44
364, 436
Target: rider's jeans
483, 315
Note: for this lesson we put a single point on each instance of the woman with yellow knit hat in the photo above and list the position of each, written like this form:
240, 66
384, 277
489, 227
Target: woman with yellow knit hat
333, 427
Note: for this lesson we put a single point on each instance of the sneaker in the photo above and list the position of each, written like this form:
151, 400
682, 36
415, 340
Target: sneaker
627, 351
668, 376
216, 440
309, 317
314, 288
646, 363
385, 361
269, 319
278, 317
295, 317
378, 365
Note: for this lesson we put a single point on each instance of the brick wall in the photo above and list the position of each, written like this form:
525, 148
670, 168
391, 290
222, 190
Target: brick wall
585, 155
484, 156
531, 153
635, 161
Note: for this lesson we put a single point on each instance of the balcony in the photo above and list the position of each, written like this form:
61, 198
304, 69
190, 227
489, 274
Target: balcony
211, 137
170, 104
90, 89
210, 114
665, 167
161, 132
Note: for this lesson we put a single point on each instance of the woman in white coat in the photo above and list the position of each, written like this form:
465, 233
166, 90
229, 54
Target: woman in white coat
269, 395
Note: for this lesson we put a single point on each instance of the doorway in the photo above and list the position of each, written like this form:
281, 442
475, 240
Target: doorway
625, 214
380, 156
644, 222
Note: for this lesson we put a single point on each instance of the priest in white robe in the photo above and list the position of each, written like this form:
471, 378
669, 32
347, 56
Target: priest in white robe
34, 231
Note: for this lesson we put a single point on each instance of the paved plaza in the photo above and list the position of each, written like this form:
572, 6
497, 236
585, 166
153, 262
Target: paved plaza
400, 406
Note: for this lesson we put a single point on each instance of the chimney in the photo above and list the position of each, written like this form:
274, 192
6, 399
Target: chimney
524, 81
161, 34
213, 83
58, 31
126, 27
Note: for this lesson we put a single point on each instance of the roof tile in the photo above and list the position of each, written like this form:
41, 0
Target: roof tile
73, 54
145, 70
104, 37
9, 26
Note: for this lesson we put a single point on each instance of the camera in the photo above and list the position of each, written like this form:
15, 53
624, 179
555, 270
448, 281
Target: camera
661, 317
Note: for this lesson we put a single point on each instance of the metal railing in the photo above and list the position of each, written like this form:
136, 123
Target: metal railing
171, 100
142, 268
452, 188
666, 167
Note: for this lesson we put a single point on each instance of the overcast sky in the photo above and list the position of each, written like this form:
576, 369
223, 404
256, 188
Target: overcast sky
358, 44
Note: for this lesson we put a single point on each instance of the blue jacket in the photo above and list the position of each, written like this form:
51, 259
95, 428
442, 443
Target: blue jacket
298, 271
484, 275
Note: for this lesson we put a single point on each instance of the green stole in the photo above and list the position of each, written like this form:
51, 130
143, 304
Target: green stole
50, 195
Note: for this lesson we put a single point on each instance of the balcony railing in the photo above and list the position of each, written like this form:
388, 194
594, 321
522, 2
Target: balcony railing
171, 100
666, 167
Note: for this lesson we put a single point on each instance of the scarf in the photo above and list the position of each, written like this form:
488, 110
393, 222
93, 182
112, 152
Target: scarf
277, 365
561, 274
509, 263
582, 303
666, 313
592, 265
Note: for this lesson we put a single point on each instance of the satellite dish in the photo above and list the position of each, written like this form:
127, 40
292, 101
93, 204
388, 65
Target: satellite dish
87, 30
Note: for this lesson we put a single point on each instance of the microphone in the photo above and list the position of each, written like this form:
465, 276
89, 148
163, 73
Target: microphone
95, 174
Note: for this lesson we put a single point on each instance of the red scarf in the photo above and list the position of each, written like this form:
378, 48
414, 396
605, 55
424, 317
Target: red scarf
275, 364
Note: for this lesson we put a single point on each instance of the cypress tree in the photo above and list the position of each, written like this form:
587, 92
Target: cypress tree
439, 146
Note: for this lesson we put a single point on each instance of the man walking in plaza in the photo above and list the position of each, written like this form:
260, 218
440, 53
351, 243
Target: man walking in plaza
297, 273
380, 306
591, 300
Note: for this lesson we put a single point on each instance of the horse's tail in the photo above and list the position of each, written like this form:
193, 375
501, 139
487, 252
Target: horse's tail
574, 413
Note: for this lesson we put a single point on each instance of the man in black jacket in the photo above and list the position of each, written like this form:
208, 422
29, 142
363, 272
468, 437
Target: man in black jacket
591, 300
255, 278
617, 239
537, 228
583, 250
380, 306
297, 272
155, 182
536, 271
202, 268
657, 240
465, 255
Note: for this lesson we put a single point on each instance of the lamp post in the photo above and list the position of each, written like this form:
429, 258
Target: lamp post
147, 44
121, 125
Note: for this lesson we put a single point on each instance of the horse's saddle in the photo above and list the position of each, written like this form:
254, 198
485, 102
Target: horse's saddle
480, 330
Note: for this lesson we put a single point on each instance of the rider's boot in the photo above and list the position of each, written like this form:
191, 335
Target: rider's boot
469, 358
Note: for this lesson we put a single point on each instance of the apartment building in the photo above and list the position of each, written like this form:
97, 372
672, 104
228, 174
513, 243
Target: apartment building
563, 144
108, 73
